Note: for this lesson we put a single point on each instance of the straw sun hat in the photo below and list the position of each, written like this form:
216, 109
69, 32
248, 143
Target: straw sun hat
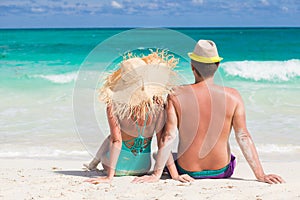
140, 85
205, 51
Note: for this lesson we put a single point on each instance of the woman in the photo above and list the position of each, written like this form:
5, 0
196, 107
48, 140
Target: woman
135, 110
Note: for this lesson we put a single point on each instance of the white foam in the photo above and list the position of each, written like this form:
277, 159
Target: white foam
11, 112
264, 70
59, 78
274, 148
43, 153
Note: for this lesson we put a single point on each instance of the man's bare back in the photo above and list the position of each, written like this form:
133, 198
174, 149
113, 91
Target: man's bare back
205, 113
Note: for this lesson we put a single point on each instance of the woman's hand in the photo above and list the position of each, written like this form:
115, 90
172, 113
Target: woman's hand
184, 178
146, 179
98, 180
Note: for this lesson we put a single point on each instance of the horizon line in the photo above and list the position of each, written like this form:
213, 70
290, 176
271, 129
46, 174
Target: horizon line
171, 27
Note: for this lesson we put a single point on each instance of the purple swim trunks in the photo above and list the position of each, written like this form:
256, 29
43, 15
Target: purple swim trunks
225, 172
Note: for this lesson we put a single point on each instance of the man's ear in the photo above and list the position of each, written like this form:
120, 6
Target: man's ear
193, 68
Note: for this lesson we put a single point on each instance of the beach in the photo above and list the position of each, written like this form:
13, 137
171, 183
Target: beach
51, 121
63, 179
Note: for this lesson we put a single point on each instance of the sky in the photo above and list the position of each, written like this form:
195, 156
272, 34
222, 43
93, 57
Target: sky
149, 13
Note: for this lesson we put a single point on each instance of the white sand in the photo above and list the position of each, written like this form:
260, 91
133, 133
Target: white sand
59, 179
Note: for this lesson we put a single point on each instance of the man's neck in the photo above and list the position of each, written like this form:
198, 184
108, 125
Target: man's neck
200, 81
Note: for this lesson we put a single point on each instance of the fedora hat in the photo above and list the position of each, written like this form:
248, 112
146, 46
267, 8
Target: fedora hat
205, 51
138, 81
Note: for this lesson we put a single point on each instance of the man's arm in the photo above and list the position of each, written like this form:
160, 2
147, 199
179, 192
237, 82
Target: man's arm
246, 144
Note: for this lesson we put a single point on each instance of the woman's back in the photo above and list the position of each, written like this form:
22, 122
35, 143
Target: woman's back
131, 127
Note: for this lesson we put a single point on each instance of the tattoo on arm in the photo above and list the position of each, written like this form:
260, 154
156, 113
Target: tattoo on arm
245, 142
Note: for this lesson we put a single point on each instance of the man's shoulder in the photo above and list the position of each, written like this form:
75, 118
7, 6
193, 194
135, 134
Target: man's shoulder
180, 89
233, 93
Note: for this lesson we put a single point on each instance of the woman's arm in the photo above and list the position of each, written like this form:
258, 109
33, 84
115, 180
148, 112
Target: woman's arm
115, 147
171, 111
159, 130
115, 142
165, 142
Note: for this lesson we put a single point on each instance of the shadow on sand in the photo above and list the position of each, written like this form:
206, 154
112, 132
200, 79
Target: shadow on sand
96, 173
83, 173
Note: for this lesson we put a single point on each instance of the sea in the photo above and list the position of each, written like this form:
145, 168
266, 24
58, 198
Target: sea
49, 81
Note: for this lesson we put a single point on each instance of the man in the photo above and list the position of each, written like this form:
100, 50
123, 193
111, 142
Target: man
204, 114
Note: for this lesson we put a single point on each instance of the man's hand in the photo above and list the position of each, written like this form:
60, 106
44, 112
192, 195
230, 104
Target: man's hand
271, 179
98, 180
146, 179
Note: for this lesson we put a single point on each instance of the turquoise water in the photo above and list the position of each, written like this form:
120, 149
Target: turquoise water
38, 70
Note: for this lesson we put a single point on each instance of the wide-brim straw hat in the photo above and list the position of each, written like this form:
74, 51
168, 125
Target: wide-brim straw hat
205, 51
134, 87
